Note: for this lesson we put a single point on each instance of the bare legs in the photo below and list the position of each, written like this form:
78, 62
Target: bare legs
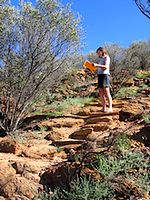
108, 95
105, 93
103, 99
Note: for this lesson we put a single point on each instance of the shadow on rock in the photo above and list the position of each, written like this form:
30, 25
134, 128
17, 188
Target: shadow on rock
60, 175
3, 132
143, 135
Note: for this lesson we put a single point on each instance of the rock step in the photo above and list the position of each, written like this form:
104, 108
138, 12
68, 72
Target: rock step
117, 103
63, 122
99, 126
66, 142
94, 120
101, 114
81, 134
98, 136
88, 129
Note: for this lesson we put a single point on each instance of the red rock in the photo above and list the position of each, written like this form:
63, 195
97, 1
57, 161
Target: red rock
130, 112
10, 146
81, 134
95, 120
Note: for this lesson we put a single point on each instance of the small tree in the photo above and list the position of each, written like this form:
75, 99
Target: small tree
34, 44
120, 68
139, 55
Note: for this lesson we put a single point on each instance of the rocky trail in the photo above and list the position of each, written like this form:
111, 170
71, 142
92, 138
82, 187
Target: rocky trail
46, 143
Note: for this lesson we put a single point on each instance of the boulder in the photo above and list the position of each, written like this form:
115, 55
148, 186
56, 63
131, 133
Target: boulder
54, 135
22, 166
11, 185
130, 112
59, 133
10, 146
81, 134
40, 151
98, 136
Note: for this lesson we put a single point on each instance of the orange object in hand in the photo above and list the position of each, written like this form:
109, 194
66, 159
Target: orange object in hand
89, 66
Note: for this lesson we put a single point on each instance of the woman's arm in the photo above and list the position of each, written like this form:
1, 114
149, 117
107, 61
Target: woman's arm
105, 66
100, 66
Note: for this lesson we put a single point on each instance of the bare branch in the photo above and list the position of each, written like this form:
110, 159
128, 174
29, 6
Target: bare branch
144, 6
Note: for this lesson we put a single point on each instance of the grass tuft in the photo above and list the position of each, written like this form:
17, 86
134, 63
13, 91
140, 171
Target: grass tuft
127, 92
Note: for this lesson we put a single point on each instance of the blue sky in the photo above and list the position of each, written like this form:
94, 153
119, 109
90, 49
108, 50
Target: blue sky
110, 21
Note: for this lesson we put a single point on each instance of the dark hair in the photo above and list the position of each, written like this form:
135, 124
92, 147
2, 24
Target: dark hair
101, 49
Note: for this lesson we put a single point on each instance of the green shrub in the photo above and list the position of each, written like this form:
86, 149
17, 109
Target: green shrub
79, 102
142, 74
64, 106
56, 195
122, 142
143, 182
82, 189
61, 108
142, 87
146, 118
126, 92
50, 97
86, 189
16, 135
109, 166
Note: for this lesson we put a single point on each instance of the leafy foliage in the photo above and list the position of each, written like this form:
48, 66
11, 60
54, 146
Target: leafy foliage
142, 74
83, 189
146, 118
110, 166
122, 142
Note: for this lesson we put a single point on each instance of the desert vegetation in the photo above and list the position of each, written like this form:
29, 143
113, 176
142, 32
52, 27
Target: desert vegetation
54, 141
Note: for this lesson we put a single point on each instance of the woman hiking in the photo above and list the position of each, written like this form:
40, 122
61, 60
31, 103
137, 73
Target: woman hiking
103, 72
